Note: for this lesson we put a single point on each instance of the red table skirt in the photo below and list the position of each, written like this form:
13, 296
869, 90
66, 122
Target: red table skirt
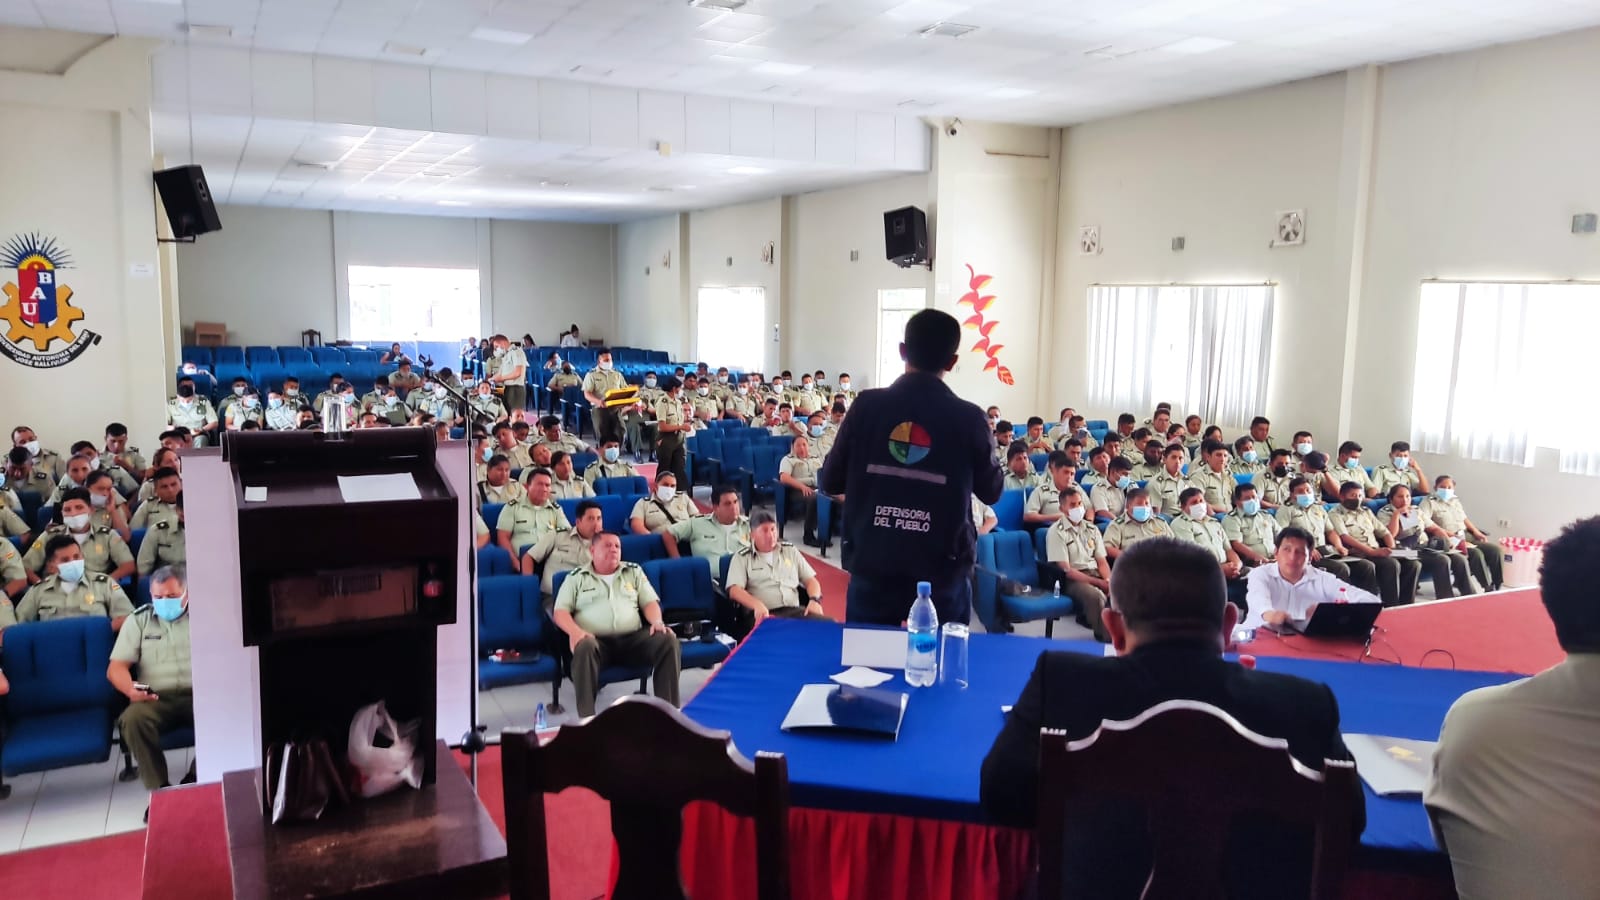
870, 856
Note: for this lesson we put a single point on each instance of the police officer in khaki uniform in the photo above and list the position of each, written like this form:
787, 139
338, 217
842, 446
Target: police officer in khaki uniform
798, 474
480, 531
69, 588
164, 545
1445, 518
505, 444
1196, 525
1247, 460
558, 384
713, 536
612, 616
1305, 511
1251, 531
602, 379
1043, 506
124, 481
150, 666
563, 549
1314, 469
103, 550
1099, 461
553, 436
47, 461
564, 483
497, 485
1148, 464
1167, 485
1350, 471
120, 454
529, 518
1019, 469
739, 404
110, 511
610, 465
1401, 468
1109, 498
404, 380
335, 391
13, 581
390, 408
766, 578
190, 410
1360, 532
508, 368
672, 429
665, 508
1137, 522
1214, 478
706, 406
1261, 433
434, 400
22, 476
1405, 523
1274, 482
1075, 547
487, 405
163, 507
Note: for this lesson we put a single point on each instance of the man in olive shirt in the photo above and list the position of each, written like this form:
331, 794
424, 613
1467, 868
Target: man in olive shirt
1167, 485
164, 506
612, 616
1401, 468
1350, 471
505, 444
529, 519
1250, 531
1361, 533
1074, 545
602, 379
798, 472
664, 508
1137, 522
1304, 511
164, 545
509, 368
1275, 480
1108, 497
563, 549
13, 581
68, 589
671, 432
712, 537
161, 698
610, 465
1197, 526
1019, 469
565, 484
1444, 517
766, 576
1214, 478
1043, 506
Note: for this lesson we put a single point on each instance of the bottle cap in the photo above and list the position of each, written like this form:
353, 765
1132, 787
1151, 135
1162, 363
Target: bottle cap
924, 587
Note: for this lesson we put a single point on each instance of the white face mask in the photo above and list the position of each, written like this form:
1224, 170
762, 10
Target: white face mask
1075, 515
1197, 511
76, 523
666, 492
605, 365
98, 501
703, 391
743, 391
32, 447
844, 385
1303, 448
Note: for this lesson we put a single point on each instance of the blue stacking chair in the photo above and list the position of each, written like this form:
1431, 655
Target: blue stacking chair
825, 504
511, 617
609, 674
491, 515
1038, 460
684, 586
707, 457
1093, 424
31, 501
643, 548
135, 538
615, 509
764, 480
492, 559
61, 707
581, 461
1008, 510
41, 518
1013, 555
622, 485
200, 356
330, 358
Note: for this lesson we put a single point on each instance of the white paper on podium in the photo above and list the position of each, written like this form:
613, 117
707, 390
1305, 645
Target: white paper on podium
255, 495
874, 648
377, 488
861, 677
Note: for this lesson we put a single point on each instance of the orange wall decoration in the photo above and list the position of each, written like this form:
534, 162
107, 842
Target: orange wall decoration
983, 325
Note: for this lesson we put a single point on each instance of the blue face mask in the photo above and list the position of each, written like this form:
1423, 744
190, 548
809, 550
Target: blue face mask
1251, 506
487, 454
611, 454
816, 430
1123, 482
1140, 513
71, 571
1249, 456
1352, 463
167, 609
1303, 500
1445, 494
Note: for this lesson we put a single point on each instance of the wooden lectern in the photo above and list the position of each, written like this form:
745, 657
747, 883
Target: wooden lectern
348, 550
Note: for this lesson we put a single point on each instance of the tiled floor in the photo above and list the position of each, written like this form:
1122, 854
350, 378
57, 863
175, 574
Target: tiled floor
72, 804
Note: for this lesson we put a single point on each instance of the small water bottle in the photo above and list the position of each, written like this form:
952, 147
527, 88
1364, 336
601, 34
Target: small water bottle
922, 640
1058, 592
1343, 597
541, 721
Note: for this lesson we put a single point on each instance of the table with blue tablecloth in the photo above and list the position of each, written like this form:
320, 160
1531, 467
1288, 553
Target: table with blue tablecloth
881, 819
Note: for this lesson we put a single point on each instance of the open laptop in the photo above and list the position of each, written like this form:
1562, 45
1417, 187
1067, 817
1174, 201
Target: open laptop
1336, 620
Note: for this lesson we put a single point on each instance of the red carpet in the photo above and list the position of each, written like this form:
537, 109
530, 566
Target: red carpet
103, 868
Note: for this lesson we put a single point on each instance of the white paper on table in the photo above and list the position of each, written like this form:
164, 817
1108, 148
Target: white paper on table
1403, 553
861, 677
377, 488
255, 495
1392, 766
874, 648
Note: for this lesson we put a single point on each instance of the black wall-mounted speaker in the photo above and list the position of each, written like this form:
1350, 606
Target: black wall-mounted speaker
187, 199
905, 236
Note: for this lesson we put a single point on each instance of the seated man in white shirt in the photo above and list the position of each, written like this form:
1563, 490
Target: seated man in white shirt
1286, 593
1515, 791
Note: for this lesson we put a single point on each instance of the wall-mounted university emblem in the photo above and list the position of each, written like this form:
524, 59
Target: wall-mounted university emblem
38, 311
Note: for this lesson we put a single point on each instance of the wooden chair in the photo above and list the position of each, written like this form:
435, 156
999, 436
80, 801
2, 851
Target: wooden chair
1191, 795
648, 760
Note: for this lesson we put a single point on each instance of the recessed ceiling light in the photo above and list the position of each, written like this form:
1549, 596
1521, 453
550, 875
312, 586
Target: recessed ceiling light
546, 182
589, 71
316, 166
730, 60
453, 203
749, 170
1195, 45
779, 68
661, 188
500, 36
434, 174
210, 31
399, 49
947, 29
724, 5
1011, 93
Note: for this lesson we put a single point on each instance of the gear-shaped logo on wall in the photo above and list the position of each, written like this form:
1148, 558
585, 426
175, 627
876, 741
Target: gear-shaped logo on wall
38, 307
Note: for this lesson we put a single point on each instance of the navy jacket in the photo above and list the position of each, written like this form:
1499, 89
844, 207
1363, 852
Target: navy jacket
909, 457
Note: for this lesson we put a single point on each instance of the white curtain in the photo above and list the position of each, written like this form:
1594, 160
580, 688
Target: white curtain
1204, 348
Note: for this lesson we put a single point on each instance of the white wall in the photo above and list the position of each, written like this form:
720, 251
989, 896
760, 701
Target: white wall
271, 273
738, 234
830, 312
652, 285
82, 177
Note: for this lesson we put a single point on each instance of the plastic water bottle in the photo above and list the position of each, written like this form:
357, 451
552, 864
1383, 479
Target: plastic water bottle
1058, 593
922, 645
541, 721
1343, 597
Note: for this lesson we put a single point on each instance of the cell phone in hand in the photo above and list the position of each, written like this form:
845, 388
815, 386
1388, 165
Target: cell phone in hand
141, 686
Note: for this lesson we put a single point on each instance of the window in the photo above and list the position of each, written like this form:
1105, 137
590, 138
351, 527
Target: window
732, 321
895, 307
1491, 358
389, 303
1206, 348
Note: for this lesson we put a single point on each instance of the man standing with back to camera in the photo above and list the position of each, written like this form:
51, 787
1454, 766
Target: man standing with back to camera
910, 457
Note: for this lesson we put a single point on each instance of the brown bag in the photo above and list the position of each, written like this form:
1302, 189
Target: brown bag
303, 782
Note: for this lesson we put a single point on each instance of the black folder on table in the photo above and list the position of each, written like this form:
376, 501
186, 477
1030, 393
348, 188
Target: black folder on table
837, 707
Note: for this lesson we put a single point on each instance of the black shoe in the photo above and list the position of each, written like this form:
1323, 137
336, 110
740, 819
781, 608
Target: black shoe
147, 814
810, 540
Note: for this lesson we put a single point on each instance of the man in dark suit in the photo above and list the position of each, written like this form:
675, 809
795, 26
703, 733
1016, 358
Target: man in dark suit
1169, 622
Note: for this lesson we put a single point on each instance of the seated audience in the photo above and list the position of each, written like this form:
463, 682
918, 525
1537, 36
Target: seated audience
119, 453
713, 536
566, 485
70, 588
1247, 460
497, 485
1075, 547
1193, 433
1350, 471
505, 444
1288, 590
1446, 518
1145, 451
1110, 497
664, 508
1314, 469
1169, 622
480, 531
1099, 467
1168, 485
798, 474
1275, 480
110, 510
1043, 506
1004, 435
1261, 433
1019, 474
562, 549
766, 576
1034, 437
1214, 478
556, 438
1515, 793
103, 550
193, 411
486, 406
1306, 512
1251, 532
610, 464
1363, 536
612, 616
244, 410
281, 415
165, 544
390, 408
530, 517
1196, 526
1400, 469
13, 580
1404, 522
1303, 446
404, 380
150, 666
1138, 522
983, 517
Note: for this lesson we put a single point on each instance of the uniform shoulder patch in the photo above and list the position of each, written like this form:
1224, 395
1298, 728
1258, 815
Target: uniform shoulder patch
162, 524
103, 529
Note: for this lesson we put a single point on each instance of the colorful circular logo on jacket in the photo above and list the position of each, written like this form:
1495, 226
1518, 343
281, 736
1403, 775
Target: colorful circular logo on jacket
909, 443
